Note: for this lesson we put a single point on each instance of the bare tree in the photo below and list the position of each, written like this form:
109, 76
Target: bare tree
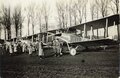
46, 14
6, 20
85, 10
21, 22
39, 14
94, 10
59, 11
74, 13
103, 6
0, 24
81, 8
0, 29
62, 10
66, 9
70, 12
28, 18
114, 6
17, 19
63, 14
39, 17
33, 18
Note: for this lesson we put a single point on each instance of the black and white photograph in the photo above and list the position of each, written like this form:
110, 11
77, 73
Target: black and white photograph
59, 38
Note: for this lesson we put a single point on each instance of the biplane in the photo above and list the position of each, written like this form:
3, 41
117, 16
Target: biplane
74, 41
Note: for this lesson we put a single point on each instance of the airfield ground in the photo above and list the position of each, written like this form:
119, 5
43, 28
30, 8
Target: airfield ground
93, 64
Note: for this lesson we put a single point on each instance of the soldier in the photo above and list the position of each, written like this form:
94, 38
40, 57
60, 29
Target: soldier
7, 46
19, 47
23, 47
56, 47
10, 48
15, 47
61, 44
33, 46
4, 48
40, 50
30, 48
37, 47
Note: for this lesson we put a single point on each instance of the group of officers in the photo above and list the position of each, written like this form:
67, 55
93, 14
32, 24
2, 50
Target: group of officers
30, 47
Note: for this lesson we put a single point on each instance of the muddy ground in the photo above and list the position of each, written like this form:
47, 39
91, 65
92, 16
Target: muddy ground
87, 64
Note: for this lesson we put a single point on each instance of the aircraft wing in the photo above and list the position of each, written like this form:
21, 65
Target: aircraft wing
97, 42
97, 24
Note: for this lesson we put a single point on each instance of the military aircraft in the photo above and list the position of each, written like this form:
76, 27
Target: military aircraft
74, 41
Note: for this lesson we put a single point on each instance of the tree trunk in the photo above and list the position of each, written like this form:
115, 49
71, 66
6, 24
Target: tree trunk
0, 31
5, 32
46, 25
117, 6
28, 26
75, 20
20, 30
63, 22
9, 33
33, 29
70, 19
16, 32
47, 33
33, 32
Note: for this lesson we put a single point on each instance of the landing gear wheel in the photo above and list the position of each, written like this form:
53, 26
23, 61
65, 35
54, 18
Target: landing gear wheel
73, 52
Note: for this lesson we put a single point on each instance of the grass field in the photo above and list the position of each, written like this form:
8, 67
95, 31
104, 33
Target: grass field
93, 64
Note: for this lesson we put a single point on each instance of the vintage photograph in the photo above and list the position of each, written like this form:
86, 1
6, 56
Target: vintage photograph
59, 38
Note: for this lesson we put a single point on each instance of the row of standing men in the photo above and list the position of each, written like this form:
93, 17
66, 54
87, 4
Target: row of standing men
22, 47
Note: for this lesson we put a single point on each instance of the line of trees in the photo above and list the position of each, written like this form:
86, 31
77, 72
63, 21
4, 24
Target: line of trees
6, 20
69, 13
104, 8
35, 14
74, 12
17, 20
9, 18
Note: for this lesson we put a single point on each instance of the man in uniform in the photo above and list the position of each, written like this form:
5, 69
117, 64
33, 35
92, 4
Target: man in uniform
40, 49
23, 47
19, 47
56, 47
15, 47
10, 48
37, 47
30, 48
